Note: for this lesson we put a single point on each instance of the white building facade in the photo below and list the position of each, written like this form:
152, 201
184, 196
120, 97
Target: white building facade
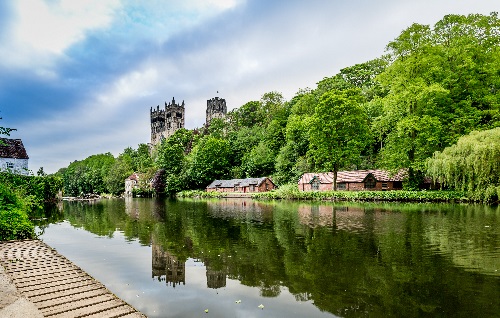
13, 156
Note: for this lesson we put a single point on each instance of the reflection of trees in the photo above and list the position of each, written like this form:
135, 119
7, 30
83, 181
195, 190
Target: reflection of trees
349, 259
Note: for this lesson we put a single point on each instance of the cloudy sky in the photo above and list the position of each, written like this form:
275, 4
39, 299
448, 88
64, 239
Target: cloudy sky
78, 77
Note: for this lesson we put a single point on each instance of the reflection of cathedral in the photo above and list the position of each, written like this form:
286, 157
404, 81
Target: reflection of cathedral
215, 279
167, 268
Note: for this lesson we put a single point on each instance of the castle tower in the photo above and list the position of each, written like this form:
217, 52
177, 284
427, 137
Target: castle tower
165, 122
216, 108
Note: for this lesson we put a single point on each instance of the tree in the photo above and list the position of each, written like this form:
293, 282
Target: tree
339, 131
259, 162
472, 164
209, 160
443, 83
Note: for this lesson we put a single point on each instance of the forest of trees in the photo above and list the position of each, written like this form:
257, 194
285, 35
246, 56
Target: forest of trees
433, 86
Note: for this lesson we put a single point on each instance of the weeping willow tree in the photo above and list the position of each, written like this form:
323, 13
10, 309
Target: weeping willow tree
472, 165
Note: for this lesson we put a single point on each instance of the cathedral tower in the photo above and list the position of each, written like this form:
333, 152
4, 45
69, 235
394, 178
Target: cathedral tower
216, 108
164, 122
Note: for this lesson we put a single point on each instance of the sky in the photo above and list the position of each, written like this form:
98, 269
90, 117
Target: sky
78, 77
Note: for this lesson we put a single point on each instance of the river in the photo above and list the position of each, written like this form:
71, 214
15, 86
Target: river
244, 258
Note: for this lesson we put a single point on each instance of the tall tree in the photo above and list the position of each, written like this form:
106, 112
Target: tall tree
339, 131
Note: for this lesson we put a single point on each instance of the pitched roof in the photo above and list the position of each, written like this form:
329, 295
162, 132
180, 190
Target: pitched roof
353, 176
236, 182
133, 176
12, 148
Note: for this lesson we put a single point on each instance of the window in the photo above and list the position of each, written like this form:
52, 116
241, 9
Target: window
252, 187
370, 182
341, 186
10, 165
315, 184
384, 185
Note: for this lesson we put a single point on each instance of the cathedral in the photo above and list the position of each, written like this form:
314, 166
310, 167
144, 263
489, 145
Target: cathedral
164, 122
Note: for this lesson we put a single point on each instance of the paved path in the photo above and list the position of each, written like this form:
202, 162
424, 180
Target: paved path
46, 284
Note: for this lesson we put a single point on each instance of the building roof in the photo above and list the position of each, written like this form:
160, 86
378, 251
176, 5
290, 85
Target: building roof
353, 176
236, 182
133, 176
12, 148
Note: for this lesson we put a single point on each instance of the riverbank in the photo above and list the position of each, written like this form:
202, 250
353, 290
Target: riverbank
389, 196
292, 193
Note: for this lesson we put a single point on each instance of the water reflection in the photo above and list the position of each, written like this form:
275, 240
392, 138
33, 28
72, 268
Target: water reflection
348, 260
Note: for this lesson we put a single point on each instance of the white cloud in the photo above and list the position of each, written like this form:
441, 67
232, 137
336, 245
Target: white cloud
42, 30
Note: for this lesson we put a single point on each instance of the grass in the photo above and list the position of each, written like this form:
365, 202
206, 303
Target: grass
291, 192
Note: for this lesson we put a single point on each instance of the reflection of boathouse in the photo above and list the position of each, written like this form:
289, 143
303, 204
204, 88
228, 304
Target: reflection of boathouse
167, 268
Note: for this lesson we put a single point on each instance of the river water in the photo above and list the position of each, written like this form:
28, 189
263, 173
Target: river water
179, 258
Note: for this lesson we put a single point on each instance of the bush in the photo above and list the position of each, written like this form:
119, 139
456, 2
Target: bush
290, 191
14, 222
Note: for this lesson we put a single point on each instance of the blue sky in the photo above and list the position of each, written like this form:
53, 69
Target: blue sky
78, 77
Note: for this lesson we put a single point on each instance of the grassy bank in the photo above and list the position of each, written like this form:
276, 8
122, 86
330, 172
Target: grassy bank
291, 192
199, 194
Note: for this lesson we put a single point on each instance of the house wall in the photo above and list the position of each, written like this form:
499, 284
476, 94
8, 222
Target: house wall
20, 165
322, 187
265, 186
129, 186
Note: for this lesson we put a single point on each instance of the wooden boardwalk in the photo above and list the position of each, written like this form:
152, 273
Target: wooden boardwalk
56, 286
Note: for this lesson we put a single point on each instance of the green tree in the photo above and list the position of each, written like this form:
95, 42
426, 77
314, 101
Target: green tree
259, 162
339, 131
209, 160
472, 164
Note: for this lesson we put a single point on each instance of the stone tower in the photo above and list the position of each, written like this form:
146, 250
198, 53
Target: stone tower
216, 108
164, 122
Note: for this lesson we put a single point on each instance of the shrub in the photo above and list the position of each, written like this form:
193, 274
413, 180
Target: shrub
14, 222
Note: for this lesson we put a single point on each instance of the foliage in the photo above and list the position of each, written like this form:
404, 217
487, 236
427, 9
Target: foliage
442, 83
208, 161
472, 164
339, 131
291, 191
14, 222
87, 176
200, 194
41, 189
158, 183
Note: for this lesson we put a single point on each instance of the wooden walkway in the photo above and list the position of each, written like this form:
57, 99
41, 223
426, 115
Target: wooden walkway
56, 286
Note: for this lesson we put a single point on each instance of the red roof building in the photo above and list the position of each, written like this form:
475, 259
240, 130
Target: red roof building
354, 180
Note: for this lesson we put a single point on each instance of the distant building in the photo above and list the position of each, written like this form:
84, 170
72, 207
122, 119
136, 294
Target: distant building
216, 108
13, 156
131, 183
355, 180
164, 122
248, 185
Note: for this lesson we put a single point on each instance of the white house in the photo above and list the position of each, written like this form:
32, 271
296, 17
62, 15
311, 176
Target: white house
13, 156
131, 183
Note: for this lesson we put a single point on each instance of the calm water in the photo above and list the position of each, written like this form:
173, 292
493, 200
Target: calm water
178, 258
